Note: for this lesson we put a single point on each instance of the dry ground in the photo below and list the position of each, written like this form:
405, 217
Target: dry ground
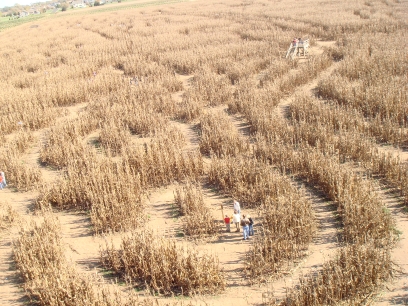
83, 247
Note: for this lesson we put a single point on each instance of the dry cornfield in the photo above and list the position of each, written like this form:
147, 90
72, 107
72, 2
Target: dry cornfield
8, 216
114, 117
288, 228
218, 136
162, 266
51, 280
198, 220
345, 278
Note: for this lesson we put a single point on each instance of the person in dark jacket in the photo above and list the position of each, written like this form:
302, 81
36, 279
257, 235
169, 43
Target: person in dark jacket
251, 226
245, 227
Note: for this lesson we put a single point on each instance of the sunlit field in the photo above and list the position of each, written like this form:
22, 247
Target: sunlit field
128, 130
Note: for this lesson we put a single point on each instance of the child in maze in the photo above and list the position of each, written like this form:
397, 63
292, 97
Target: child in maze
227, 221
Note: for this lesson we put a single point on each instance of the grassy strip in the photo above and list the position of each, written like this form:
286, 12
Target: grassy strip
16, 22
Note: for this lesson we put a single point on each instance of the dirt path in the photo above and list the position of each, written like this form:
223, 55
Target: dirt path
282, 109
162, 213
397, 290
11, 292
190, 131
75, 230
322, 248
242, 125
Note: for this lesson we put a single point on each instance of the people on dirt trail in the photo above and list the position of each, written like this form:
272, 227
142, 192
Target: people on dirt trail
245, 227
294, 42
237, 207
227, 221
251, 226
1, 183
236, 219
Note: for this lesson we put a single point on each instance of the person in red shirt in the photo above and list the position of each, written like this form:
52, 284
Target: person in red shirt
227, 221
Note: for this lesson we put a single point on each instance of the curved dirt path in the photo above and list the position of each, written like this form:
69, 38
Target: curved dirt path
325, 242
322, 248
282, 109
190, 131
76, 234
162, 213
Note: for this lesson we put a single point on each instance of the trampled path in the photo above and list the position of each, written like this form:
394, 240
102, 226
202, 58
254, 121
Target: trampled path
189, 130
282, 109
396, 291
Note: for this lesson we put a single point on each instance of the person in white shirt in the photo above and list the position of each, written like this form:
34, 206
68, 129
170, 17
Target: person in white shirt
236, 219
237, 207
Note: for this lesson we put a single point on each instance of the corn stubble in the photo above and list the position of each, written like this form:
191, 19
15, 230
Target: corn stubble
350, 278
198, 221
20, 175
8, 216
113, 194
220, 137
288, 227
51, 280
158, 264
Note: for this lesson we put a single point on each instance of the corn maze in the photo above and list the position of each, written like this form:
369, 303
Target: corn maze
126, 134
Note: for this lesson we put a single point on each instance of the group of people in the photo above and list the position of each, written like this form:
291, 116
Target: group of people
296, 41
246, 222
2, 180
